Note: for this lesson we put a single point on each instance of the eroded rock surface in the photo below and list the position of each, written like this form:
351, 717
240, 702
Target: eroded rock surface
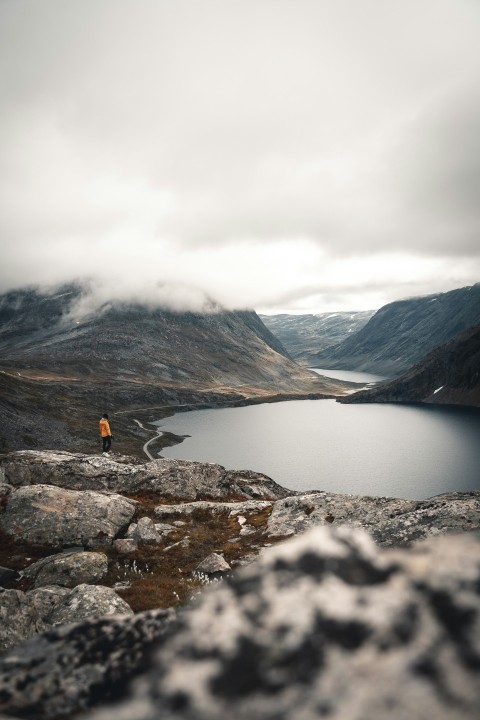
326, 625
48, 515
23, 615
392, 521
232, 508
72, 667
168, 478
68, 569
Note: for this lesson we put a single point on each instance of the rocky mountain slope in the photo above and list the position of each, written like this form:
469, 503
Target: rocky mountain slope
61, 366
402, 333
305, 335
381, 632
449, 374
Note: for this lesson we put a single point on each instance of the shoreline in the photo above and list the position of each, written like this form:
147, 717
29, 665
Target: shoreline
164, 438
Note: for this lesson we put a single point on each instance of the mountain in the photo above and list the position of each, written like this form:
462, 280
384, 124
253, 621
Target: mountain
60, 367
449, 374
402, 333
305, 335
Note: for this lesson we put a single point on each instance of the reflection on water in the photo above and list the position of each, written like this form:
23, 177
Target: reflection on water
411, 451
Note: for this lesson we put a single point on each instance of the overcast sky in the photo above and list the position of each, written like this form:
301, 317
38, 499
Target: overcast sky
286, 155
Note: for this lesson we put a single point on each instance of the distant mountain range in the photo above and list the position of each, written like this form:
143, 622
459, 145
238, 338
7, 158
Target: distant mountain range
59, 369
305, 335
401, 333
450, 374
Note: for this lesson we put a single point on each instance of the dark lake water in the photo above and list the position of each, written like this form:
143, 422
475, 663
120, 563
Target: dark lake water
409, 451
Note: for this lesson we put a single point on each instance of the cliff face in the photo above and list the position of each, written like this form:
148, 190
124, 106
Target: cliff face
402, 333
448, 375
305, 335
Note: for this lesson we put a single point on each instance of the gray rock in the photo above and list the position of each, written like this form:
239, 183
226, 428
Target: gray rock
326, 625
49, 515
125, 546
213, 564
392, 521
247, 530
69, 668
164, 529
25, 614
88, 601
144, 532
187, 509
68, 569
168, 478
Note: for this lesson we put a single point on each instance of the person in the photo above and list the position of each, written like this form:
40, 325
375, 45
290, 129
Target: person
105, 433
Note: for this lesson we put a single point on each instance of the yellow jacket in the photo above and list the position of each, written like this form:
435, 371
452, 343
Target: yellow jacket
104, 428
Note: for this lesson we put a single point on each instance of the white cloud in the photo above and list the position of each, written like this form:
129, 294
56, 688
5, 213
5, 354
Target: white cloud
265, 153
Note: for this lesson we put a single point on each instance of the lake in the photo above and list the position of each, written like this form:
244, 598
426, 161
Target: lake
409, 451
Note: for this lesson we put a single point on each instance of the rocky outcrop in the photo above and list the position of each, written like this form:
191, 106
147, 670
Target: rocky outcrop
187, 509
27, 614
47, 515
75, 666
68, 569
323, 625
88, 601
392, 522
168, 478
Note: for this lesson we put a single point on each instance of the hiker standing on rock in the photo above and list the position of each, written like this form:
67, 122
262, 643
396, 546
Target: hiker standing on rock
105, 433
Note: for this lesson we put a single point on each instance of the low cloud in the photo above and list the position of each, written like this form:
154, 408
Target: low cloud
296, 155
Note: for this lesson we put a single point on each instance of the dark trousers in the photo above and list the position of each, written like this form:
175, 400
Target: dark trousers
107, 441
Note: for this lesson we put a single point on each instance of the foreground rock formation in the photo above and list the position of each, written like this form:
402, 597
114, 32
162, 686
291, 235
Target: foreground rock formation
324, 625
327, 623
168, 478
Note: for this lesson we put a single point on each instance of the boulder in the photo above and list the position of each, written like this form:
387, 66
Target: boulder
68, 569
88, 601
325, 625
48, 515
125, 546
144, 532
187, 509
25, 614
213, 564
59, 673
392, 521
168, 478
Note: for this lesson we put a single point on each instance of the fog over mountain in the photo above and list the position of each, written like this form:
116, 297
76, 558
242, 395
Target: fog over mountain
297, 157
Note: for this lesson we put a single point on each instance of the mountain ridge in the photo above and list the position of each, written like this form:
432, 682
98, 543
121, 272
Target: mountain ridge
450, 375
401, 333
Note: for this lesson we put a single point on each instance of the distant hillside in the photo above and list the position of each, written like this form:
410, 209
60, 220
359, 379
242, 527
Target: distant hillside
402, 333
123, 341
449, 374
59, 369
305, 335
